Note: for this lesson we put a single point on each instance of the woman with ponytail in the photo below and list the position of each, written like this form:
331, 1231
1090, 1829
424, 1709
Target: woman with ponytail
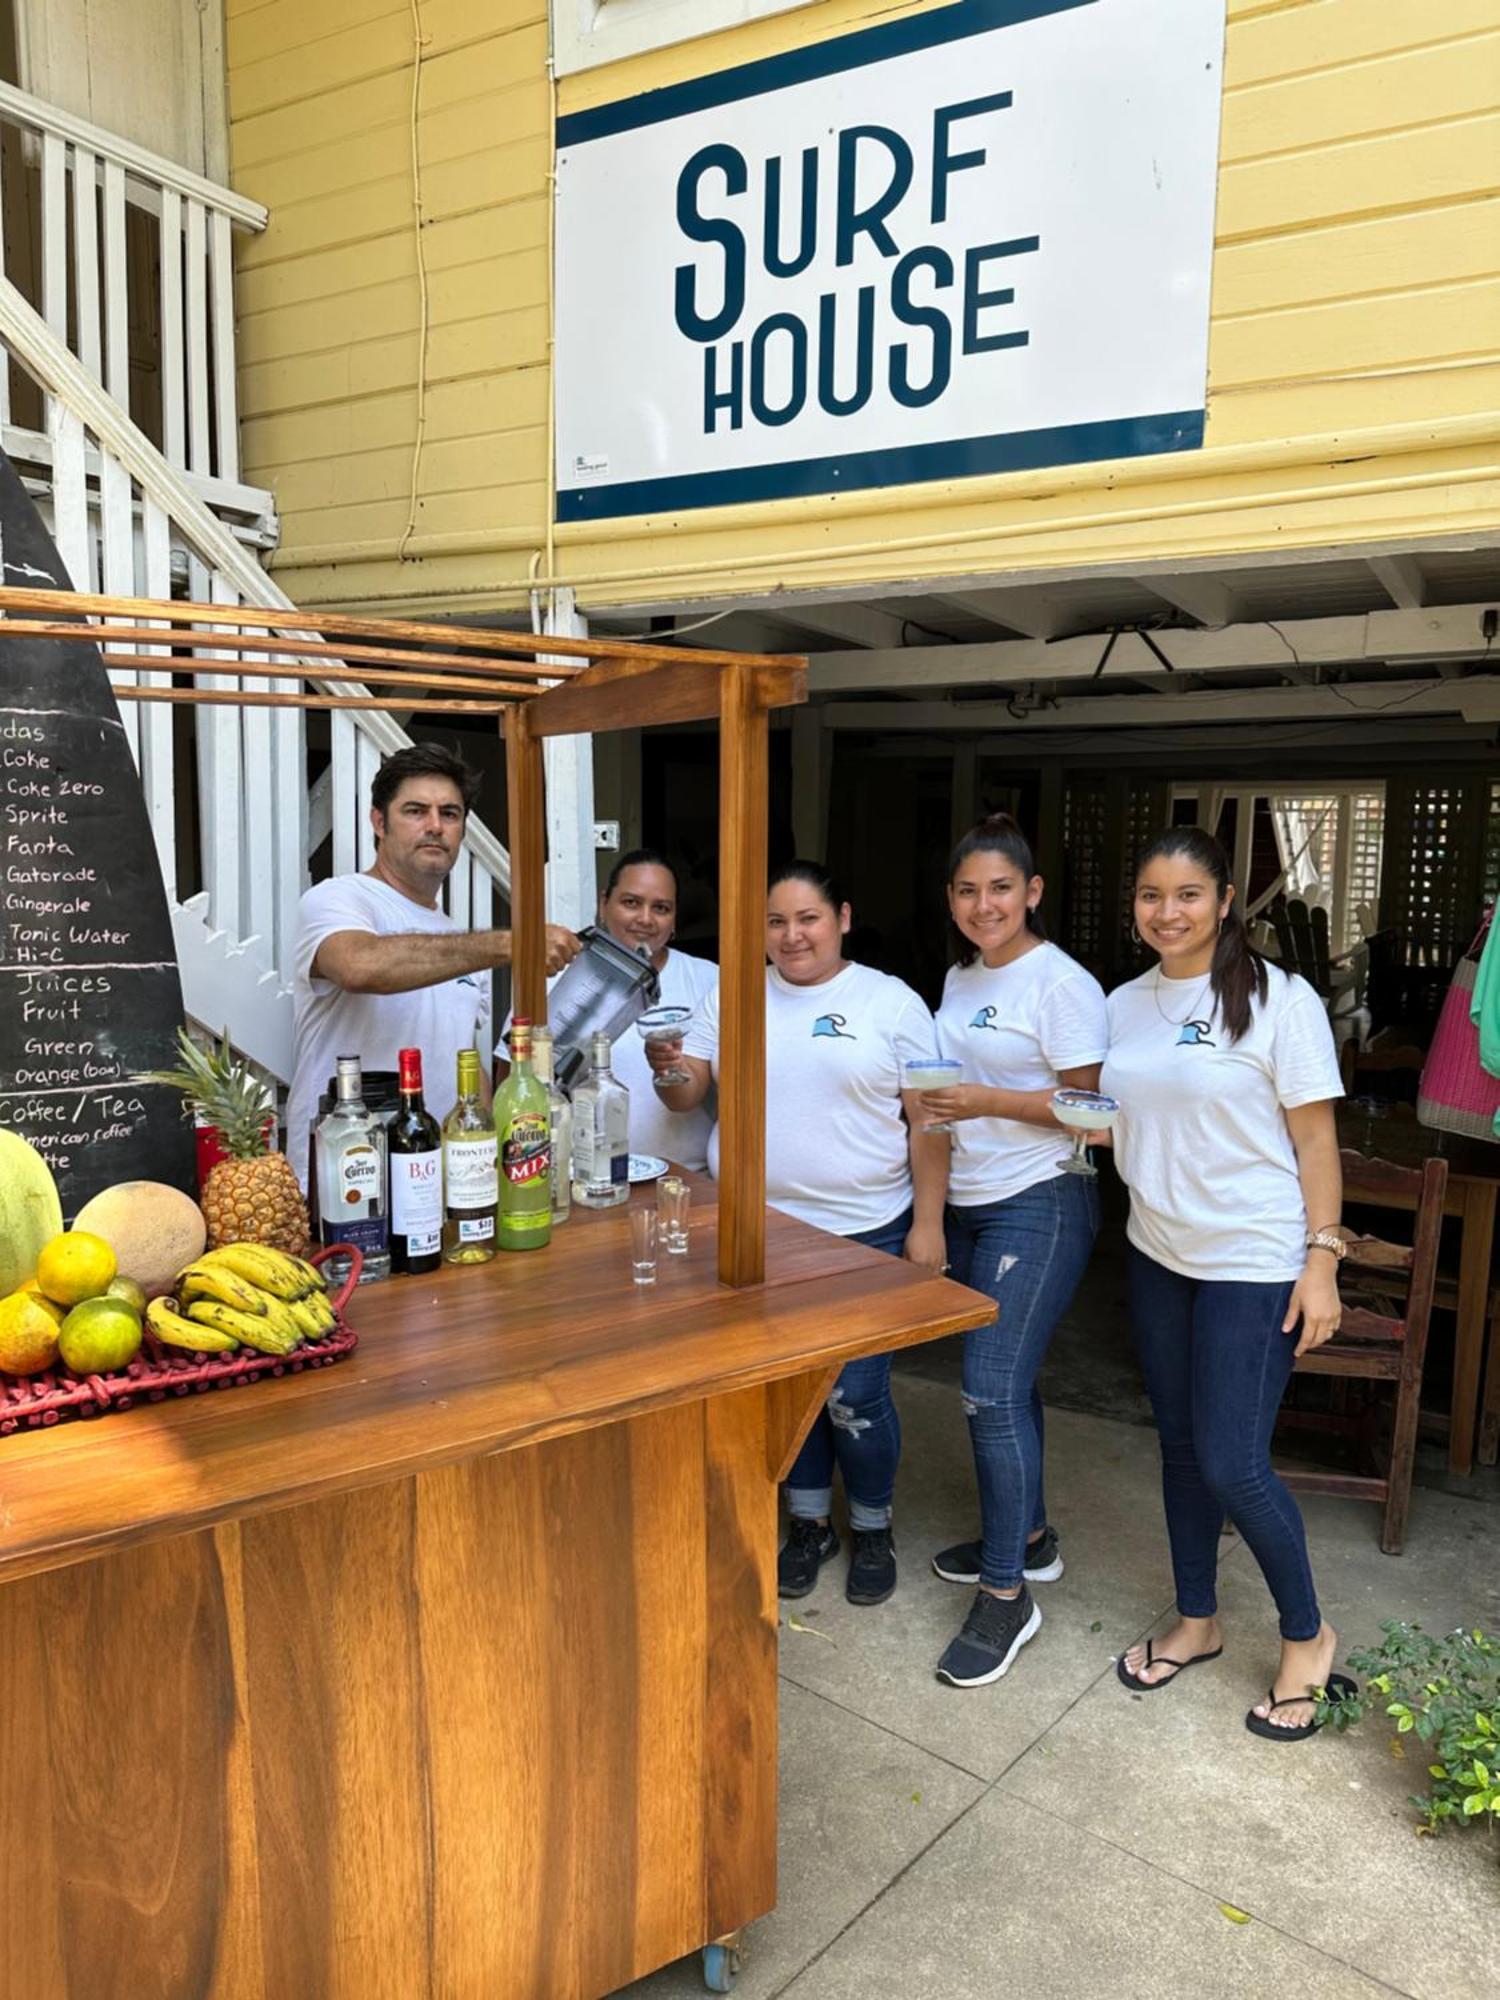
1023, 1019
1226, 1076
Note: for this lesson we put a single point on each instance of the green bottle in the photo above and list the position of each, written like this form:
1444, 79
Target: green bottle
523, 1130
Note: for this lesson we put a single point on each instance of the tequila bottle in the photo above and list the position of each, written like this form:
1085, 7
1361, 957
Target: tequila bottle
351, 1155
601, 1145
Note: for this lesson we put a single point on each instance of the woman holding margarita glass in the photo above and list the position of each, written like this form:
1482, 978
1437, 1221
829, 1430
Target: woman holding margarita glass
638, 908
844, 1151
1025, 1020
1226, 1076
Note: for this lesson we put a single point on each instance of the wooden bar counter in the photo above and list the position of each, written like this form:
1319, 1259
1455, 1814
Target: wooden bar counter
447, 1672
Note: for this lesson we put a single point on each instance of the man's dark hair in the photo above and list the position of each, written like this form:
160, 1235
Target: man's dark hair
423, 760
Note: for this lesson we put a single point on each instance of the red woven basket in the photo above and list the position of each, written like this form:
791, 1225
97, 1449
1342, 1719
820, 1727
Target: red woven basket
158, 1372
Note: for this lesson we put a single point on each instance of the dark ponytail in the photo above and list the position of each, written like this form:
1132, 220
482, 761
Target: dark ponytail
1000, 833
1238, 974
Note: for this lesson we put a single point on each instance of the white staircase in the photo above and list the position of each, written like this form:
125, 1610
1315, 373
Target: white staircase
118, 406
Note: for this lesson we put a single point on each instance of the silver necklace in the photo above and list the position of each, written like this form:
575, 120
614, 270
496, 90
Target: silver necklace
1178, 1021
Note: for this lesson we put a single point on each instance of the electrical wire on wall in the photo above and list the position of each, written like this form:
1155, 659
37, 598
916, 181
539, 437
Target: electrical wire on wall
419, 43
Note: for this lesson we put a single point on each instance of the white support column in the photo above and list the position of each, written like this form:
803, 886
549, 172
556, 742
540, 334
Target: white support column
569, 764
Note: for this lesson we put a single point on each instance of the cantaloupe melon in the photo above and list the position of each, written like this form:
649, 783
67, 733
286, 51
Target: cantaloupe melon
30, 1212
153, 1230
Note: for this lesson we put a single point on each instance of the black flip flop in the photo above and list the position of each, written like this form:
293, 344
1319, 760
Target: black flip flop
1339, 1686
1160, 1659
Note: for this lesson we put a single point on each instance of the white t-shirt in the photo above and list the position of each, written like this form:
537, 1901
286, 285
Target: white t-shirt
836, 1141
1014, 1027
329, 1023
1202, 1139
685, 981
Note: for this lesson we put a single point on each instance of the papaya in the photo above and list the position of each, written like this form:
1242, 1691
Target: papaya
30, 1212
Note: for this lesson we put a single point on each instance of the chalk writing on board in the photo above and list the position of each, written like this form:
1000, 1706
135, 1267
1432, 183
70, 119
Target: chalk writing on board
89, 993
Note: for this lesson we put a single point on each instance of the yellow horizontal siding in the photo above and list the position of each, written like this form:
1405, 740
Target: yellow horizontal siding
1356, 305
474, 347
476, 405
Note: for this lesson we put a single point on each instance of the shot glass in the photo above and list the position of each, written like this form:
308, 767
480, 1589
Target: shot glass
643, 1245
672, 1199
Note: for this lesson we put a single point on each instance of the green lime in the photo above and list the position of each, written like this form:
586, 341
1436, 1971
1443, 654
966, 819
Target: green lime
129, 1293
98, 1335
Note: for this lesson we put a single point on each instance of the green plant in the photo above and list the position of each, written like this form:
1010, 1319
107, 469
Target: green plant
1445, 1692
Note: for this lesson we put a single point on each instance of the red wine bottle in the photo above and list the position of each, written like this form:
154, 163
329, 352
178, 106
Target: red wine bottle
416, 1153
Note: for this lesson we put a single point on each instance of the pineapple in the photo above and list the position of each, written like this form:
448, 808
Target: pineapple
253, 1196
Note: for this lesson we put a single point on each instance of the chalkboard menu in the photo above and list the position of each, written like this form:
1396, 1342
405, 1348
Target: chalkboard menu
89, 993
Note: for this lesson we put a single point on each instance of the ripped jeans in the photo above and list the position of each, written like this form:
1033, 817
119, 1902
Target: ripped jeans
858, 1429
1028, 1252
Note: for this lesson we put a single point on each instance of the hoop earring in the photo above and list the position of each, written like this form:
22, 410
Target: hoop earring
1135, 936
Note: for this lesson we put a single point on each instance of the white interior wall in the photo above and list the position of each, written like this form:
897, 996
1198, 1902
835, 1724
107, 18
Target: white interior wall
151, 70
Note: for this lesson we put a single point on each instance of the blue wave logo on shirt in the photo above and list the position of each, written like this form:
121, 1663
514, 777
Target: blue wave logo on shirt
467, 979
832, 1026
985, 1018
1195, 1035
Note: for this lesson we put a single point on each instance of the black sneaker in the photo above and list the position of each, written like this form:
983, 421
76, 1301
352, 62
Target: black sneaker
960, 1564
807, 1547
994, 1632
872, 1566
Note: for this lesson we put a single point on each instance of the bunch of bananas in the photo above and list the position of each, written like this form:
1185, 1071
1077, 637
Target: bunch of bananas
244, 1294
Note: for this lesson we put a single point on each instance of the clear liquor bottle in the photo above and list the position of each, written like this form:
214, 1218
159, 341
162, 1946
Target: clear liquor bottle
416, 1148
561, 1112
353, 1205
523, 1129
471, 1183
601, 1123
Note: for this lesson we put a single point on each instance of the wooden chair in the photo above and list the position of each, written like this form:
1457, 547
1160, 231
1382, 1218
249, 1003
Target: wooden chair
1302, 945
1380, 1345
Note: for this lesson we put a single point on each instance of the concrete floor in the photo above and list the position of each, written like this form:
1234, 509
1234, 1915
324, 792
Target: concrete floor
1055, 1835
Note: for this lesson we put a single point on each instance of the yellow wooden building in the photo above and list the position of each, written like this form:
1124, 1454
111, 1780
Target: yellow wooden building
395, 326
1260, 595
398, 329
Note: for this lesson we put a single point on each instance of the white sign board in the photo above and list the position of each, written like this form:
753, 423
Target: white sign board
975, 240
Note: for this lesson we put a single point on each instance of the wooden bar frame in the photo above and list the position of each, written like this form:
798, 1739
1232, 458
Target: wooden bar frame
582, 687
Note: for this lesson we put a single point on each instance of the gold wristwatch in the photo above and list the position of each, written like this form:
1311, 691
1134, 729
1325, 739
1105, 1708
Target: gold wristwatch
1328, 1239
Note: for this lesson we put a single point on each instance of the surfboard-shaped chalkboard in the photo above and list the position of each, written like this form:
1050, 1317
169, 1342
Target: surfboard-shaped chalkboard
89, 993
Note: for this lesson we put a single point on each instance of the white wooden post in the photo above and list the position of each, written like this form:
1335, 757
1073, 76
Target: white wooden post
572, 891
155, 721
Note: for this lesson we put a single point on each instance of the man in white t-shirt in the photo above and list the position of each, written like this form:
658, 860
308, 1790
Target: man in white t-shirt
378, 965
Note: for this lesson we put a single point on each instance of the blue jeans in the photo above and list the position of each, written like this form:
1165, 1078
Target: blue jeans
858, 1429
1028, 1252
1217, 1364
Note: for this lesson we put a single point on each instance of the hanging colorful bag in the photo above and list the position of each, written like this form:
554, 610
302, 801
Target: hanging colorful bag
1456, 1093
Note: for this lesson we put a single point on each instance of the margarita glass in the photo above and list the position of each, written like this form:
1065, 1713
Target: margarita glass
932, 1073
658, 1026
1083, 1111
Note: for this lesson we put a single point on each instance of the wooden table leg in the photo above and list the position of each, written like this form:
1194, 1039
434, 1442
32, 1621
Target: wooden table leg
1489, 1421
1469, 1329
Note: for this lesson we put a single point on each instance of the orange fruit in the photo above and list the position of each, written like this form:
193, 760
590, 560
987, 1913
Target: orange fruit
28, 1335
75, 1266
